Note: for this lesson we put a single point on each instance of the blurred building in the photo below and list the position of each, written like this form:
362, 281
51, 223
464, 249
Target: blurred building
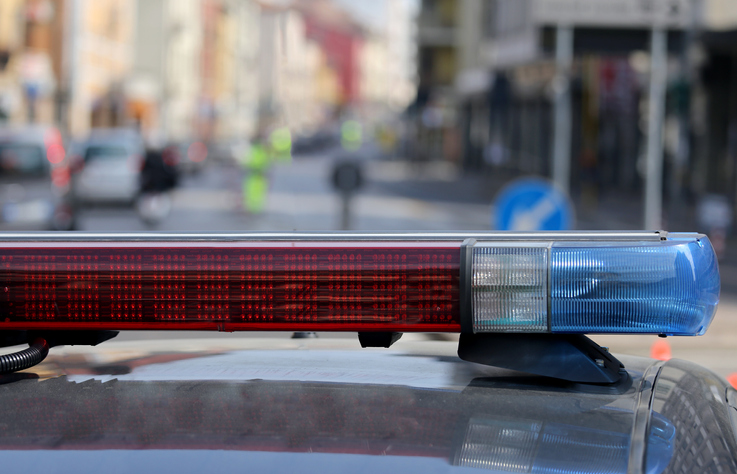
31, 56
609, 77
340, 38
387, 63
243, 117
716, 54
216, 70
473, 81
233, 81
65, 61
164, 82
488, 81
12, 42
401, 40
438, 24
294, 86
375, 74
493, 64
433, 130
99, 48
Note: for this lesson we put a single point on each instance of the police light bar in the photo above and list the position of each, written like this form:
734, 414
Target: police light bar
568, 283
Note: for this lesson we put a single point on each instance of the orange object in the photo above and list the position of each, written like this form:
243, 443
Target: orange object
732, 379
660, 350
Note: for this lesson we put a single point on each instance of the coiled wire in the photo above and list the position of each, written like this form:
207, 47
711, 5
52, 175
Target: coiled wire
36, 352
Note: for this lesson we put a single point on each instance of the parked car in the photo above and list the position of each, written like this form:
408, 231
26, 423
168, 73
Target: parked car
106, 167
34, 180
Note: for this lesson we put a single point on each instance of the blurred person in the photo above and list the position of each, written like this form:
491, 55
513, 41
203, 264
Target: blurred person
351, 135
257, 163
387, 138
158, 176
280, 141
159, 172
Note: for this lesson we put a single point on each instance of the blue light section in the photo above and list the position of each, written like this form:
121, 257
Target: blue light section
659, 444
669, 287
567, 449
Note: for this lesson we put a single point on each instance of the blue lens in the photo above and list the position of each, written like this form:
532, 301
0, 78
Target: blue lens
669, 287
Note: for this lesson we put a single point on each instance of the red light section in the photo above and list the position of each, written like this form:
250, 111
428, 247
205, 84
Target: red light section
60, 176
54, 146
240, 288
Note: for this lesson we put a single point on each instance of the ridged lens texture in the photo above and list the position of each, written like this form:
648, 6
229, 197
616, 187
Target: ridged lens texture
527, 446
267, 286
499, 445
510, 289
669, 287
587, 450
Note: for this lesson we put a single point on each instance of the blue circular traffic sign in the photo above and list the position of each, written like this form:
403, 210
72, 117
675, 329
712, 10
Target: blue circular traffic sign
531, 204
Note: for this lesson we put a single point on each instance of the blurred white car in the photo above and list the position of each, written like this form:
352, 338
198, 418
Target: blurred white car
34, 180
107, 167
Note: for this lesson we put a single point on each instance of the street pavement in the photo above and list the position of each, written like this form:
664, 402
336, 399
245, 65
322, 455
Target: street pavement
397, 196
301, 198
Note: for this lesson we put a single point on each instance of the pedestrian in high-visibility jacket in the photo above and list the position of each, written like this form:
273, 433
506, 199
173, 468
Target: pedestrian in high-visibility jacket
255, 182
351, 135
258, 161
281, 144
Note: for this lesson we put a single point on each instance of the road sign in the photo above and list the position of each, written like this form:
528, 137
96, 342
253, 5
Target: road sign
531, 204
347, 176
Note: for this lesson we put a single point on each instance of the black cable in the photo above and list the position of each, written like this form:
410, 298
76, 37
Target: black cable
36, 352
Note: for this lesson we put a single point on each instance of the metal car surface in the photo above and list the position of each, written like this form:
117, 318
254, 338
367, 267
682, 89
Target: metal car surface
34, 180
322, 405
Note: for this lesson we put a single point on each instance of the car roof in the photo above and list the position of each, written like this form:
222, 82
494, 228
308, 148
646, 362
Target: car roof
310, 405
113, 136
35, 133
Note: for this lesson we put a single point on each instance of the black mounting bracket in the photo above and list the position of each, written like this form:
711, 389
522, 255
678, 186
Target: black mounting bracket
572, 357
378, 339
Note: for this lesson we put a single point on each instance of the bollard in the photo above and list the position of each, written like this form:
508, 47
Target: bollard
660, 350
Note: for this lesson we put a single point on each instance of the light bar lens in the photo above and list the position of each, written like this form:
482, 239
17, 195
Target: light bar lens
656, 287
669, 288
585, 284
274, 286
511, 289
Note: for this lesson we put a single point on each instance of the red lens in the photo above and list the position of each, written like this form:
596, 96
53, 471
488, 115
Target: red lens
262, 286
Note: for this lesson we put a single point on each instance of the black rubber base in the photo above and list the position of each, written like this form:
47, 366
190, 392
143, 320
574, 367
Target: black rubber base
39, 343
36, 352
378, 339
572, 357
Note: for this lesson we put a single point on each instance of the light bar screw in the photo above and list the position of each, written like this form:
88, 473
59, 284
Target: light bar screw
599, 362
604, 348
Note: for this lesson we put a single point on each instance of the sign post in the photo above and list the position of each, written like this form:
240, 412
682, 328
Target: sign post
656, 111
562, 122
347, 179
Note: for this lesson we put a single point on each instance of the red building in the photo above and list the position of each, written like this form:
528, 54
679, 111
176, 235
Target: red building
340, 38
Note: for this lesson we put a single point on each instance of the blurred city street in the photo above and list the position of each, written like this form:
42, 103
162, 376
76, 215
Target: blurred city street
623, 111
301, 198
398, 196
